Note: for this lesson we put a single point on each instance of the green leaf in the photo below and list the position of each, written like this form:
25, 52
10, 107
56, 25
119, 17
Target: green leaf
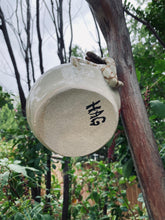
43, 217
47, 217
124, 209
158, 108
17, 162
138, 74
160, 65
31, 168
120, 200
53, 166
127, 168
57, 189
19, 216
95, 196
143, 217
140, 197
18, 169
4, 178
4, 162
132, 178
105, 218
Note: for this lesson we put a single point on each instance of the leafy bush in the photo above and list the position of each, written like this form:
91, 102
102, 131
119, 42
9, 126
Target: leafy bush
106, 188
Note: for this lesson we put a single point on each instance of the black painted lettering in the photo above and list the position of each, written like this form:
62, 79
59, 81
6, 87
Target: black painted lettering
93, 107
95, 114
96, 121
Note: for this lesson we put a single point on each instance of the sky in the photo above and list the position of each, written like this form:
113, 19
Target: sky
84, 35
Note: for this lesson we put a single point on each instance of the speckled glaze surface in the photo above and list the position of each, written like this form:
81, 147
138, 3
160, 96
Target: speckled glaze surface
72, 110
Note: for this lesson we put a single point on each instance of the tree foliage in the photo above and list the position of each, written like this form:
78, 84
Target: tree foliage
149, 58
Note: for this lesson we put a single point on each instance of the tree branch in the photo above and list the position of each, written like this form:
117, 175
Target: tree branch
147, 24
39, 35
27, 29
98, 34
53, 17
71, 31
61, 43
58, 24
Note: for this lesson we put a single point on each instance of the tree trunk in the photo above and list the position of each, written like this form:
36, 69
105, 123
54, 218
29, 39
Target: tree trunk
66, 190
36, 191
47, 206
148, 164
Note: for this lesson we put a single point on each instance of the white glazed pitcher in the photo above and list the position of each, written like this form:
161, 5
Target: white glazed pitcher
72, 110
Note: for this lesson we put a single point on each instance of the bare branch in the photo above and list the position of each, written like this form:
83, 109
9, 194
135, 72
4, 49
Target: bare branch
32, 64
58, 24
39, 35
22, 13
25, 49
98, 33
61, 44
54, 18
28, 43
148, 25
71, 31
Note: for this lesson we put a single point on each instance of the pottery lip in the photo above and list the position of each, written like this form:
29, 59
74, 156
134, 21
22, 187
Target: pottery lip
67, 75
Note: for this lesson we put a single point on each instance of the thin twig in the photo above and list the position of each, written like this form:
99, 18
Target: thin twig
39, 35
28, 43
157, 81
98, 33
71, 30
